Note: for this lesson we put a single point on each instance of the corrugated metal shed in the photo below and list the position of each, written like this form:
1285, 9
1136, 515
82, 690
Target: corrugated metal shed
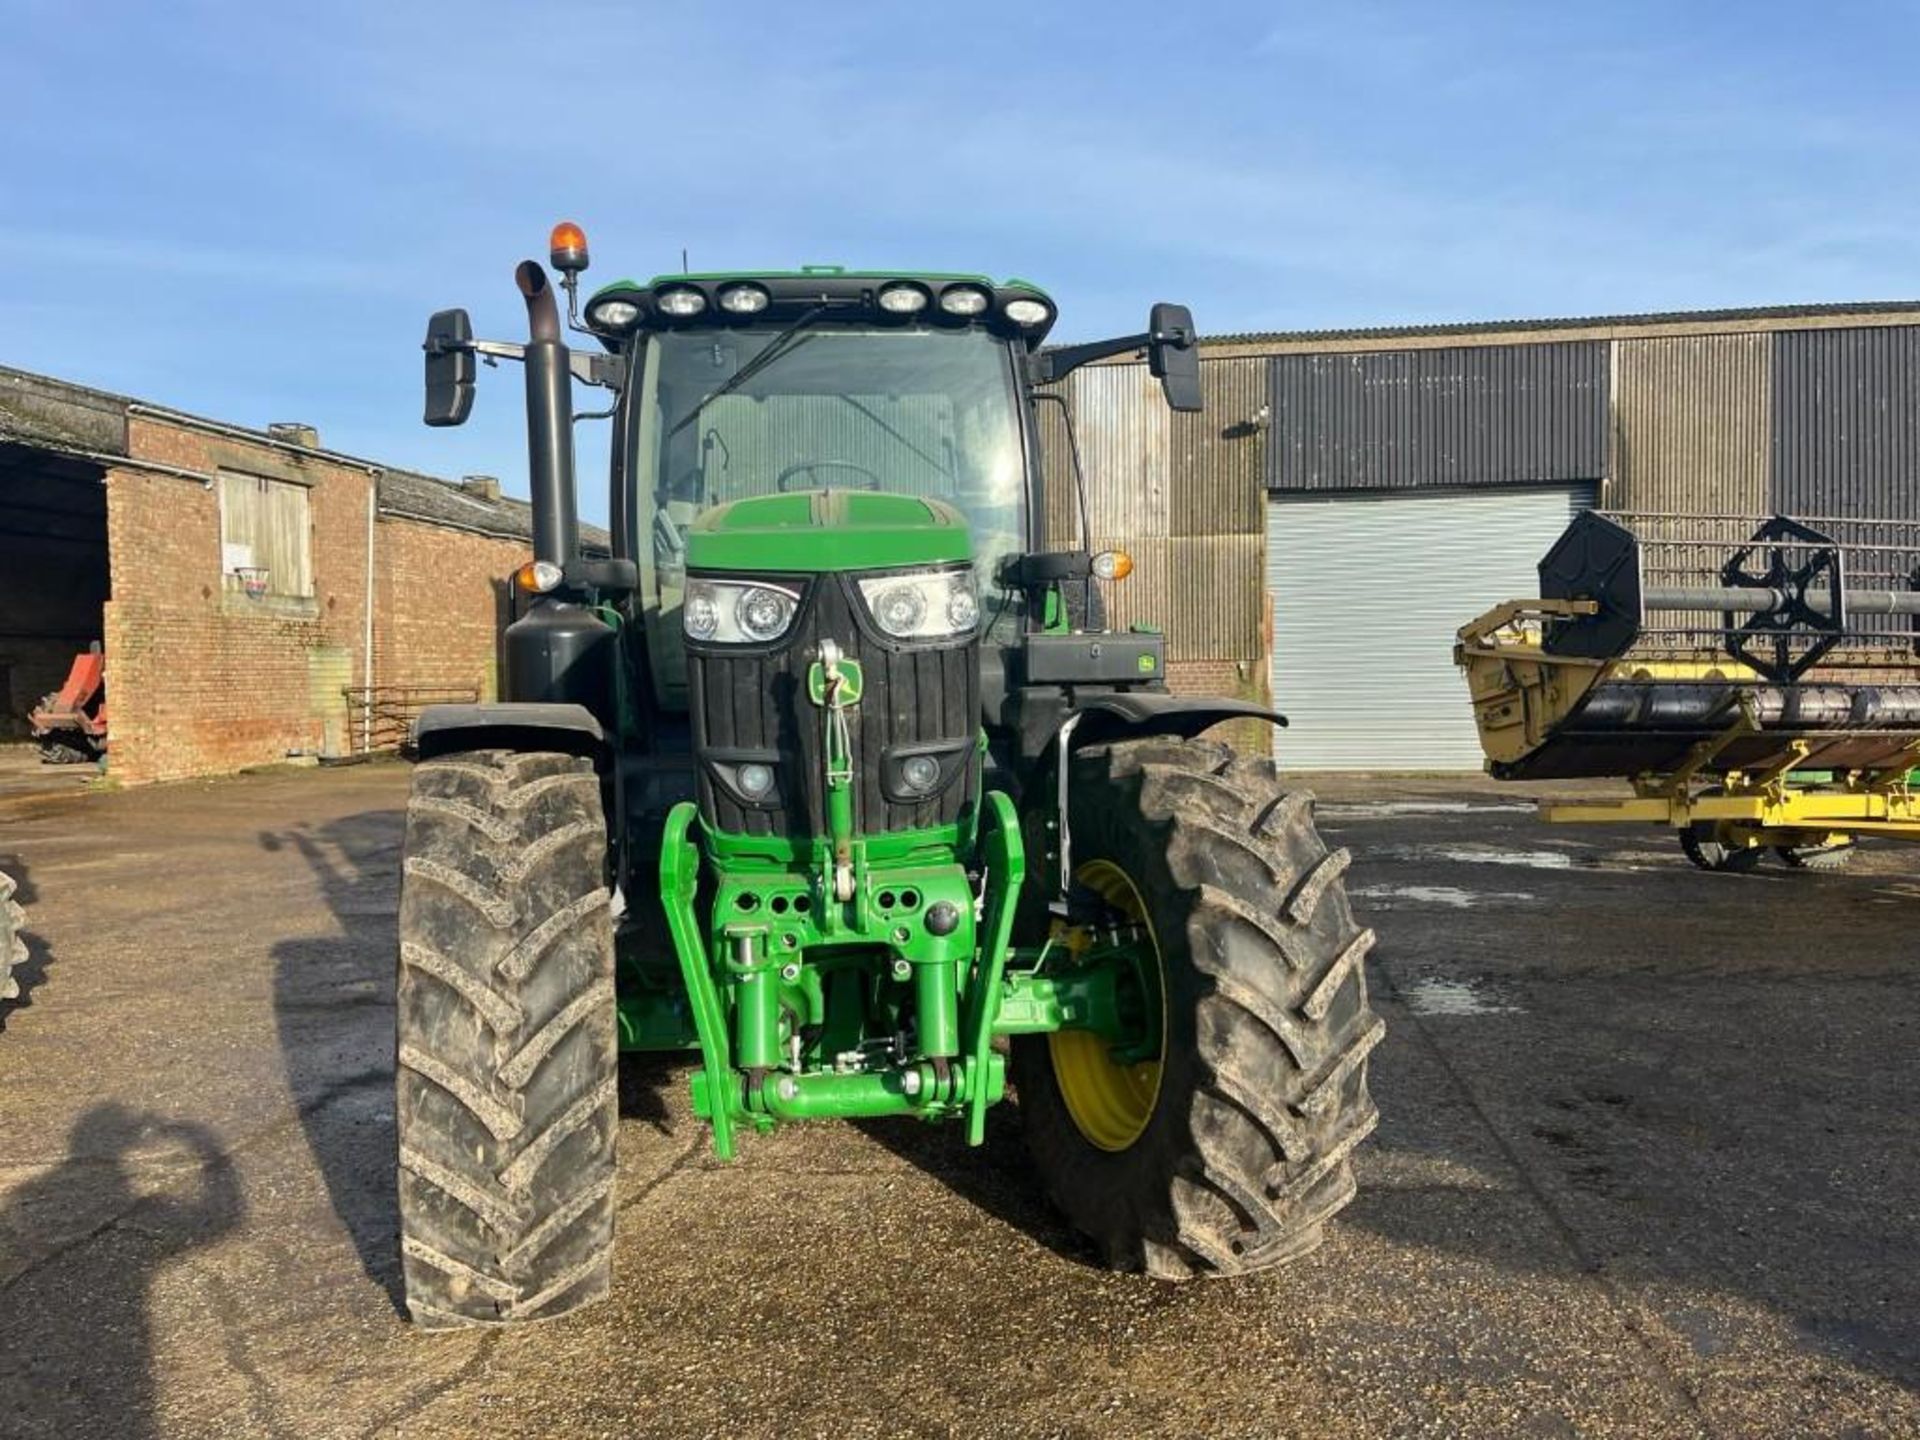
1765, 318
1846, 422
1466, 415
1219, 455
1125, 448
1181, 493
1691, 424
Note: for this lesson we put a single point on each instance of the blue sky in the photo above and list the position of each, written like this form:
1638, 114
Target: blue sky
247, 210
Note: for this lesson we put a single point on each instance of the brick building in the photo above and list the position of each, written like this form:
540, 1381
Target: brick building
259, 597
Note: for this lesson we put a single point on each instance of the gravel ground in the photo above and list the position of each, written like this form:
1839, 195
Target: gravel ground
1646, 1168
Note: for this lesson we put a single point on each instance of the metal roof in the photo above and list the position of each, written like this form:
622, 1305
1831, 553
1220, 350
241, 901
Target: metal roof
78, 421
1758, 313
413, 496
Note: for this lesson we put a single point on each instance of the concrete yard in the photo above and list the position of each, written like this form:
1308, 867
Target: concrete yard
1647, 1167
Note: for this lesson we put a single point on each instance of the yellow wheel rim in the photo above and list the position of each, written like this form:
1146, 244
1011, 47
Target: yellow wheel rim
1109, 1103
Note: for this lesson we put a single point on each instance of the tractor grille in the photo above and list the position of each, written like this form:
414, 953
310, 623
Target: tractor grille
746, 700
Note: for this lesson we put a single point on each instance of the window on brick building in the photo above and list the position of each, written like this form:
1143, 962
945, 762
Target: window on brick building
266, 536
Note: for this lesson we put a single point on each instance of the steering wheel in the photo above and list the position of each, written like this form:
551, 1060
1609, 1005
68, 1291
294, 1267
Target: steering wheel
809, 467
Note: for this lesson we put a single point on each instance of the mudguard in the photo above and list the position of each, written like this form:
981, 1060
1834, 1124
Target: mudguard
507, 725
1136, 713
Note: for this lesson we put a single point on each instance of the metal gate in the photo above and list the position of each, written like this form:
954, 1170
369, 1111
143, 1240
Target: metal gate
1367, 592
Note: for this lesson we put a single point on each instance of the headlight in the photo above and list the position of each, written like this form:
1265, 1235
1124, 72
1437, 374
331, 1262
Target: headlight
743, 299
964, 300
726, 612
680, 302
923, 604
613, 314
902, 299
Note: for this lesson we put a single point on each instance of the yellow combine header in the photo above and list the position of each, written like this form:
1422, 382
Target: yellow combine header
1757, 682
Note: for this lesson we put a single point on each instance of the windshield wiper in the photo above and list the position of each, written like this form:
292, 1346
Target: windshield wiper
787, 340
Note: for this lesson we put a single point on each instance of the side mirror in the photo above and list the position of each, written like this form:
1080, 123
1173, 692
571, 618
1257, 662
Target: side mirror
1173, 354
450, 367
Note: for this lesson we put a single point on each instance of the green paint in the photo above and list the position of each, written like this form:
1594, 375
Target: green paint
1007, 865
815, 531
679, 875
852, 681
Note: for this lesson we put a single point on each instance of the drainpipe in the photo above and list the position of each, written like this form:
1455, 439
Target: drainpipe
366, 666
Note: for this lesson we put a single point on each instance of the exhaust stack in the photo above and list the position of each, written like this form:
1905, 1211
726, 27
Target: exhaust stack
556, 525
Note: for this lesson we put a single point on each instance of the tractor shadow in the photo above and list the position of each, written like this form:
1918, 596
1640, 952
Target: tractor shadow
333, 1007
996, 1178
31, 973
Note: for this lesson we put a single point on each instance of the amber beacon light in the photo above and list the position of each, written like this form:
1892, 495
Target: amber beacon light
567, 248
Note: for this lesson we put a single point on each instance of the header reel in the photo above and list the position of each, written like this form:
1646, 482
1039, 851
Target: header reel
1778, 604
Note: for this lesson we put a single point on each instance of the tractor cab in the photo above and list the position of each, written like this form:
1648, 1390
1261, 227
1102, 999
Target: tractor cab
741, 387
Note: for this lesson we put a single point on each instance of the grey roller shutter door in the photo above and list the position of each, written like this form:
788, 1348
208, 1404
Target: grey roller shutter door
1367, 592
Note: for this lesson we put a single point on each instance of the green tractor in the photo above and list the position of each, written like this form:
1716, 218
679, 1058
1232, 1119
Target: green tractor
829, 779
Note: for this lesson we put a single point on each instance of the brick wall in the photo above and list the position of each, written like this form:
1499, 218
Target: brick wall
201, 679
439, 604
1236, 680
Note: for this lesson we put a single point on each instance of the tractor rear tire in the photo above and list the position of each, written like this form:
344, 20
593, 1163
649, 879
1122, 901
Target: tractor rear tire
1707, 851
506, 1080
13, 945
1262, 1088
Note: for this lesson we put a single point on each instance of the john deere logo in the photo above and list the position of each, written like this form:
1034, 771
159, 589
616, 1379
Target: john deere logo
1146, 664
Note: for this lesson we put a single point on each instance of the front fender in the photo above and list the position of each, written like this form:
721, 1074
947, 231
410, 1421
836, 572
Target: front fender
508, 725
1130, 715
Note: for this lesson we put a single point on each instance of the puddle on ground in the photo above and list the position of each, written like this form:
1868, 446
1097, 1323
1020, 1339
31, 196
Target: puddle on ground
1445, 895
1452, 997
1477, 855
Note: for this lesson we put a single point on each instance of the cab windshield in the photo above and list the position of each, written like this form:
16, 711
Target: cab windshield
726, 414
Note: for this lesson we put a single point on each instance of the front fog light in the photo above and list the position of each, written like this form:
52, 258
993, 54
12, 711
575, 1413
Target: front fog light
754, 780
920, 773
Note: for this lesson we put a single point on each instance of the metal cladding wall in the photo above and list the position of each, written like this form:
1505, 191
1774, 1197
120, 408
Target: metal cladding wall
1460, 415
1692, 418
1846, 422
1181, 493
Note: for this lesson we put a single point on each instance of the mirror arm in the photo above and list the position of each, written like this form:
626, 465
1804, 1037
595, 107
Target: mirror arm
492, 349
1050, 365
592, 368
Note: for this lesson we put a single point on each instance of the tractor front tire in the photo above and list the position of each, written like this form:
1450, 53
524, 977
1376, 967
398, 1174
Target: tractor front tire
506, 1080
1261, 1091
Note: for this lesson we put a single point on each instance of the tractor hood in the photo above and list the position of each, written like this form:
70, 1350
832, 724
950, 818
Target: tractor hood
812, 531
